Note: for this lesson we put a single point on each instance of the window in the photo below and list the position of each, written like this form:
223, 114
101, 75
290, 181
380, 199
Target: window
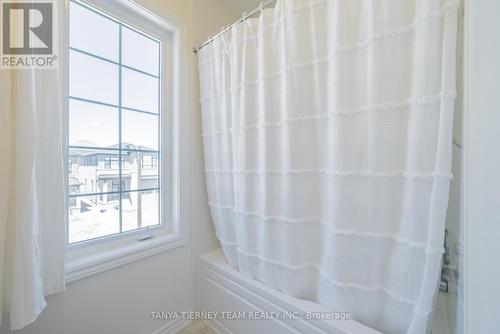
149, 161
115, 105
123, 160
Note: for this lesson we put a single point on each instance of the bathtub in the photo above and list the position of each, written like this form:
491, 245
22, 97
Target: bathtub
229, 299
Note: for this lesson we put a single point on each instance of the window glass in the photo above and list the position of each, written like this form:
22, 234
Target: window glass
140, 209
140, 91
140, 51
139, 130
93, 78
92, 217
140, 170
93, 33
93, 125
114, 127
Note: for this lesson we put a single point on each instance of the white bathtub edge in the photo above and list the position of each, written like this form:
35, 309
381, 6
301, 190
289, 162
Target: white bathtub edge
232, 284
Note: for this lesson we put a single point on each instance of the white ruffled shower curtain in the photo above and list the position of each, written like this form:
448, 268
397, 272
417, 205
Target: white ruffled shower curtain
327, 129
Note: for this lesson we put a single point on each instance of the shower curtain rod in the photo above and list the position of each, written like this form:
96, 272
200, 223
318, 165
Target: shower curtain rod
245, 16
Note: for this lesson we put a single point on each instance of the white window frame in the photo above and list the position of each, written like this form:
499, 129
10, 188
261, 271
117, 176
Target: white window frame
93, 256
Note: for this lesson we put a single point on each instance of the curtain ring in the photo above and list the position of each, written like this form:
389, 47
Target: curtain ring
261, 7
244, 16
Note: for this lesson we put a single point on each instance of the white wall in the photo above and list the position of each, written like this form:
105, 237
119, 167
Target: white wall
120, 300
448, 318
208, 16
241, 6
482, 167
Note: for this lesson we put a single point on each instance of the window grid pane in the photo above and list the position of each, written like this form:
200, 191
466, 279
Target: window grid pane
120, 98
121, 190
91, 217
111, 192
140, 209
139, 51
139, 91
93, 32
92, 78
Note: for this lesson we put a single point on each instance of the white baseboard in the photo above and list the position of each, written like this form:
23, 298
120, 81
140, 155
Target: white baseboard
173, 327
200, 326
218, 327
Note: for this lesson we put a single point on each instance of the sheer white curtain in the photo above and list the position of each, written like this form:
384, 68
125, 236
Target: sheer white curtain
327, 134
32, 191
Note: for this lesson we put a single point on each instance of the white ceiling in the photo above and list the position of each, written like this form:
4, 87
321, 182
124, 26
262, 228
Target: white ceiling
243, 5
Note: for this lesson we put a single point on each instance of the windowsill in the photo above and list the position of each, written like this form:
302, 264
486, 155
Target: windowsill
89, 265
